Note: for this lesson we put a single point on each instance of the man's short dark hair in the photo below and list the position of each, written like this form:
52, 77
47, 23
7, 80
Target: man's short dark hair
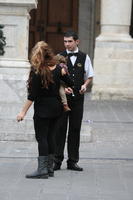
71, 33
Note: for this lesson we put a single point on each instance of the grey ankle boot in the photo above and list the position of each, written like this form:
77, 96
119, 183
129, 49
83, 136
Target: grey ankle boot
50, 165
42, 170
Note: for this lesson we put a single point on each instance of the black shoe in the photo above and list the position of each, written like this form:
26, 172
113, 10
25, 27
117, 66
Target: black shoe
57, 166
74, 166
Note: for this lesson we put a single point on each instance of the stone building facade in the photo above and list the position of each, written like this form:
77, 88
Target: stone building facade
103, 28
113, 60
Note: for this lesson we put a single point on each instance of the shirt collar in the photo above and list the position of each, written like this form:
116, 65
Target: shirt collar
76, 51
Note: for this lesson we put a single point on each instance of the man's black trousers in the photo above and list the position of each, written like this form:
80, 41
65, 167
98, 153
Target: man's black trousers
72, 121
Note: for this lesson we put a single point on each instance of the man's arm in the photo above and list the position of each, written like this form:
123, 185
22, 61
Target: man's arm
89, 73
85, 85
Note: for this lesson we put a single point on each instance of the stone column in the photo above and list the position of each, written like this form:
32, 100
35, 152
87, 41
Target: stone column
115, 20
113, 60
14, 15
14, 66
86, 26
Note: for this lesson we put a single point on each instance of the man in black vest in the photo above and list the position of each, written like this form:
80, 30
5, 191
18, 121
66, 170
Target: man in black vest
81, 72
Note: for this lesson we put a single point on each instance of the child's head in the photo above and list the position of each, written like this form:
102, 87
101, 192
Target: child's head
60, 59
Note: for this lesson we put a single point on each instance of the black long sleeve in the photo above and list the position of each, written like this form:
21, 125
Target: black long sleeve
34, 87
67, 80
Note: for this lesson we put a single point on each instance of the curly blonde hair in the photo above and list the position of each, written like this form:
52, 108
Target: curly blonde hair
42, 57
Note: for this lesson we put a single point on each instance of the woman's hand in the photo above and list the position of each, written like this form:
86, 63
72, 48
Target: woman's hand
24, 110
68, 90
20, 116
63, 72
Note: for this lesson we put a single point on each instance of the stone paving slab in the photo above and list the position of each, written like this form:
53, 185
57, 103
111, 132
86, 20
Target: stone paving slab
107, 160
100, 180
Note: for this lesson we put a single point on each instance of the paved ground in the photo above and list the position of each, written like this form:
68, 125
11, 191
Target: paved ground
107, 161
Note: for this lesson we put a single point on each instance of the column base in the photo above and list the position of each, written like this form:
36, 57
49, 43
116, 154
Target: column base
107, 93
113, 67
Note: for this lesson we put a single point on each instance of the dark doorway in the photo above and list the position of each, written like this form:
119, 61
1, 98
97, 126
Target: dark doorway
131, 26
50, 20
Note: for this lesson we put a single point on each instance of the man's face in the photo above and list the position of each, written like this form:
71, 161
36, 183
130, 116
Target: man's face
70, 44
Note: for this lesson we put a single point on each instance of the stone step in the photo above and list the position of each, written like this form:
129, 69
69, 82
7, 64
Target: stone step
11, 130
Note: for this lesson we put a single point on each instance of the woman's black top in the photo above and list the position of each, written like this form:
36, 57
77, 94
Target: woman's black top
47, 102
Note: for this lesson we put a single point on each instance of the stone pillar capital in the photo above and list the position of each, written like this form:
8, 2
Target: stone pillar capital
29, 4
14, 15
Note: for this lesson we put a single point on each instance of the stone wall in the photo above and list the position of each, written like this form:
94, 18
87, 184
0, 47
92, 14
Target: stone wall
14, 67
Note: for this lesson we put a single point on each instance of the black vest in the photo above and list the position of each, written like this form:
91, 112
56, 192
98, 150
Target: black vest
76, 71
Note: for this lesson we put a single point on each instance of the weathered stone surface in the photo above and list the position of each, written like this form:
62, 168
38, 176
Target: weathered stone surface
113, 59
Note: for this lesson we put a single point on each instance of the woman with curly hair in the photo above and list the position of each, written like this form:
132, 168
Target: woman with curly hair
43, 89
